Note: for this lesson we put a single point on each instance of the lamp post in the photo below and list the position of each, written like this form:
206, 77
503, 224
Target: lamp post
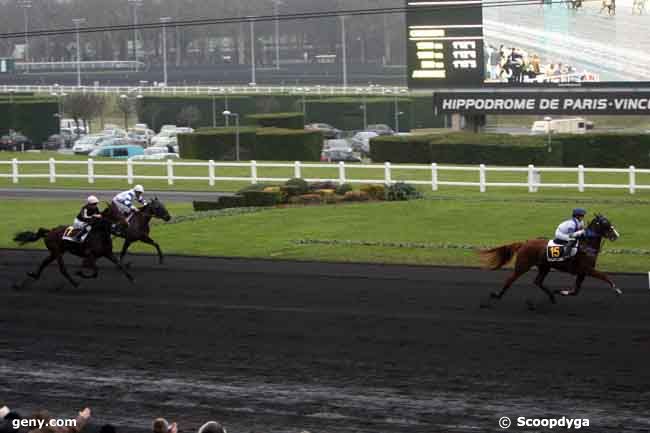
135, 4
228, 114
164, 21
212, 93
59, 98
77, 22
253, 72
26, 5
548, 132
128, 100
13, 114
344, 52
276, 6
364, 108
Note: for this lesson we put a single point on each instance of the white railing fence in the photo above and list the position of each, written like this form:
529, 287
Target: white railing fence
216, 91
208, 171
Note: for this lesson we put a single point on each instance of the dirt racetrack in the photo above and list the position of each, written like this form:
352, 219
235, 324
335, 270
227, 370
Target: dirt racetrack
280, 347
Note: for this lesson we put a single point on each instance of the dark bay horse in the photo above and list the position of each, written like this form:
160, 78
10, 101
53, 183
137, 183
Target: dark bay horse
97, 244
533, 253
138, 226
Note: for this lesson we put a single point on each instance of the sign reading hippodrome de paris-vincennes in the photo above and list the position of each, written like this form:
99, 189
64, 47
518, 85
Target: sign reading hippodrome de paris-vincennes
622, 103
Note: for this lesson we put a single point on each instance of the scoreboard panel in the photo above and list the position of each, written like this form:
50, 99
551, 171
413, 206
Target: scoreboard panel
445, 43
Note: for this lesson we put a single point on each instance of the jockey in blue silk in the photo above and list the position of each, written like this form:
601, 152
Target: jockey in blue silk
125, 200
569, 231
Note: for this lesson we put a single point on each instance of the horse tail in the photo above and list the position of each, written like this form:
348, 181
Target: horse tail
28, 237
496, 258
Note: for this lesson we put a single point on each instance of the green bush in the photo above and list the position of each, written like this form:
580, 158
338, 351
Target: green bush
299, 185
224, 202
343, 188
261, 198
401, 191
279, 120
605, 150
315, 186
356, 196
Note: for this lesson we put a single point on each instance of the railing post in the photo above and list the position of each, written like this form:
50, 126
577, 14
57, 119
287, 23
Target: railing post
14, 170
387, 174
341, 172
253, 172
52, 164
482, 177
531, 180
632, 179
297, 172
434, 177
129, 171
581, 178
91, 171
211, 175
170, 172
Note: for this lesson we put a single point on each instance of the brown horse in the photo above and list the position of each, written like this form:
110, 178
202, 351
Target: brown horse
97, 244
533, 253
138, 226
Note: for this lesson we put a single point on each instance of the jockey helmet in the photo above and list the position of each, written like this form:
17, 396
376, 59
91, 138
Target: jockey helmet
579, 212
92, 200
139, 188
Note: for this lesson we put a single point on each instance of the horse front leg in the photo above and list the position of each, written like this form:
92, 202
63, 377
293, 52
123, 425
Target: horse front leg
125, 248
576, 289
603, 277
119, 265
147, 240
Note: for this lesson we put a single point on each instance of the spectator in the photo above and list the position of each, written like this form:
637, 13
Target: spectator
212, 427
160, 425
81, 421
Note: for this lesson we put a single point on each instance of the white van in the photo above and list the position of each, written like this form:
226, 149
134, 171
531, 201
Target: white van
576, 125
72, 125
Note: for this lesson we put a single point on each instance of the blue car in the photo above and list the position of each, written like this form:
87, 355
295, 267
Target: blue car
117, 152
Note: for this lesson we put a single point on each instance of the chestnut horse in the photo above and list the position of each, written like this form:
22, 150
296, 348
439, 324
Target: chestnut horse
533, 253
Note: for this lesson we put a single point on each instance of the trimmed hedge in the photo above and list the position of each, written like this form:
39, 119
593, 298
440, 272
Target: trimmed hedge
33, 117
595, 150
217, 144
279, 120
288, 145
267, 144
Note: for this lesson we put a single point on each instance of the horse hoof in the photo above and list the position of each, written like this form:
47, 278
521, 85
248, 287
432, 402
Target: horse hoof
566, 292
495, 295
32, 275
618, 291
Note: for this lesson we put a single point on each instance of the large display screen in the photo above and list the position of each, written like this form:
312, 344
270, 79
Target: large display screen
546, 42
445, 43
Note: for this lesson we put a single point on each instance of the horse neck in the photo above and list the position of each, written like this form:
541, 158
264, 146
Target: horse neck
594, 242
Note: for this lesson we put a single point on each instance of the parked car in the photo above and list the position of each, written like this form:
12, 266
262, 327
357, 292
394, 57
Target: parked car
335, 155
15, 142
328, 131
140, 137
156, 153
117, 152
380, 129
113, 131
87, 144
576, 125
338, 144
54, 142
69, 136
361, 141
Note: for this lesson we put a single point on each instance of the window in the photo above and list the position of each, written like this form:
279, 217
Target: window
120, 152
